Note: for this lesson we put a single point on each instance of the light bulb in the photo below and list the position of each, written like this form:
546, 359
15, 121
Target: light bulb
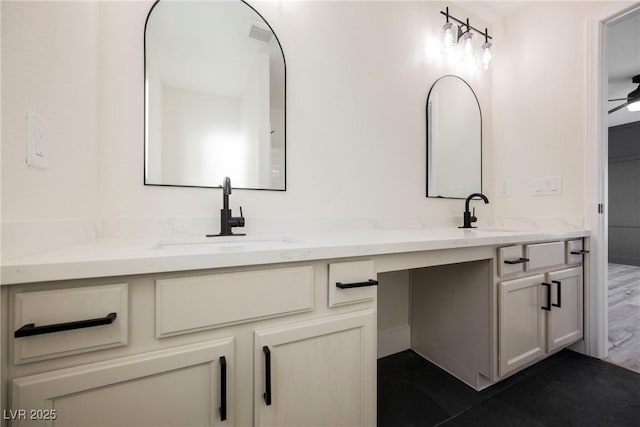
449, 37
487, 56
466, 41
634, 106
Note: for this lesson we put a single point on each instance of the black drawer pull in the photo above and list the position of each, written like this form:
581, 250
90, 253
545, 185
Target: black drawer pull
369, 282
267, 375
516, 261
580, 252
548, 306
31, 329
223, 388
558, 293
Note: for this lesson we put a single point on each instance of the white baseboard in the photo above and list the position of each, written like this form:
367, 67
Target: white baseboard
394, 340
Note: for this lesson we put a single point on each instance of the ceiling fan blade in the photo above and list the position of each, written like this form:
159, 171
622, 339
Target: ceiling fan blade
617, 99
618, 107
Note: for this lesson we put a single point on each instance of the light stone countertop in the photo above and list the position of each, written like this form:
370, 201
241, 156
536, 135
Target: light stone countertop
117, 257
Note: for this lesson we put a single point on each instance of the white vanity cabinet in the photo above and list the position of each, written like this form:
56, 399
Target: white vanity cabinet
539, 314
521, 327
320, 372
182, 386
565, 320
195, 355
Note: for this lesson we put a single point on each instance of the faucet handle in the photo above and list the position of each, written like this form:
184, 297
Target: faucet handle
473, 216
241, 219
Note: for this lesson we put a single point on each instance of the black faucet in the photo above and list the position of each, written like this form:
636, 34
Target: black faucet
468, 216
227, 220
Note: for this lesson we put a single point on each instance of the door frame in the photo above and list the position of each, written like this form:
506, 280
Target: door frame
596, 173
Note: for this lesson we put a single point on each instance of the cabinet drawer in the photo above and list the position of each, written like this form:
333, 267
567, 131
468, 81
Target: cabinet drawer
352, 282
190, 304
543, 255
510, 260
61, 322
574, 252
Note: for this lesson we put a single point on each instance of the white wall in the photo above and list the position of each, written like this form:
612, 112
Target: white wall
539, 107
358, 74
50, 66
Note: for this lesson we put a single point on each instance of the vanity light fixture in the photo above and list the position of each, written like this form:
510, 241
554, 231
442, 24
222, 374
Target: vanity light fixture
449, 37
487, 55
466, 44
464, 37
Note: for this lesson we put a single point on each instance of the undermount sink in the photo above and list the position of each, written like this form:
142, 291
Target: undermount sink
222, 242
495, 230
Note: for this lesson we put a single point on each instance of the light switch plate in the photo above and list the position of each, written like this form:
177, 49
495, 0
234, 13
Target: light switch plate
37, 141
546, 186
555, 185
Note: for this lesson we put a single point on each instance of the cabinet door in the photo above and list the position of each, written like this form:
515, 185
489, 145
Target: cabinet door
317, 373
565, 324
521, 323
181, 386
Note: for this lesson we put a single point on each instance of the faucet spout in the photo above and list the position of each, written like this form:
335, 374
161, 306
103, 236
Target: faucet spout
226, 186
227, 220
469, 218
475, 196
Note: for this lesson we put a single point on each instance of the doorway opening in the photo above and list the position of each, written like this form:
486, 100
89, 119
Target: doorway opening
623, 189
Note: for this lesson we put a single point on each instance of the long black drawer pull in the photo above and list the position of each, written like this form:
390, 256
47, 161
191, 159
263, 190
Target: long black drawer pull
369, 282
580, 252
223, 388
548, 306
31, 329
267, 375
558, 293
516, 261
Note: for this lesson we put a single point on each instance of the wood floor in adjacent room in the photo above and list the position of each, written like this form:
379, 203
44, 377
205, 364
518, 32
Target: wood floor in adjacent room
624, 316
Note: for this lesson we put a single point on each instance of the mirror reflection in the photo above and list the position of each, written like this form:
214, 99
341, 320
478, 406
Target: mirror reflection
214, 96
454, 139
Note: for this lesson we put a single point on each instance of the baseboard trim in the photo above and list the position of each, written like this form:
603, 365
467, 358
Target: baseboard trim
394, 341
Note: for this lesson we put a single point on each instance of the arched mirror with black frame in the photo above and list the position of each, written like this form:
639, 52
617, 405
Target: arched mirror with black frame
215, 96
454, 139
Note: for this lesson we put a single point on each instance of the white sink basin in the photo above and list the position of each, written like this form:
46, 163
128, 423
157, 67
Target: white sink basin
494, 230
223, 242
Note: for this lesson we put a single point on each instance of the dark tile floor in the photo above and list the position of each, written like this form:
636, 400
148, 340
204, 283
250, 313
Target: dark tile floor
567, 389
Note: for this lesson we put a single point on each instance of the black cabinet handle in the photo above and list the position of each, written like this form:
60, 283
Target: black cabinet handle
516, 261
548, 306
369, 282
31, 329
580, 252
223, 388
558, 293
267, 375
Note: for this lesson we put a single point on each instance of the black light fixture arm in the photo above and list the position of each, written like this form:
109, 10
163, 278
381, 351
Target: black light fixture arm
485, 33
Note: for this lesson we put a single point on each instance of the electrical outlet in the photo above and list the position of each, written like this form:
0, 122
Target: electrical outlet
505, 189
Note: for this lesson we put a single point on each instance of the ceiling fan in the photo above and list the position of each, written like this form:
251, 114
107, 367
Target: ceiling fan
632, 99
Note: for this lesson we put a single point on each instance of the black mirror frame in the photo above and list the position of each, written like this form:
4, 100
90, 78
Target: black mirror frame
427, 137
144, 109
